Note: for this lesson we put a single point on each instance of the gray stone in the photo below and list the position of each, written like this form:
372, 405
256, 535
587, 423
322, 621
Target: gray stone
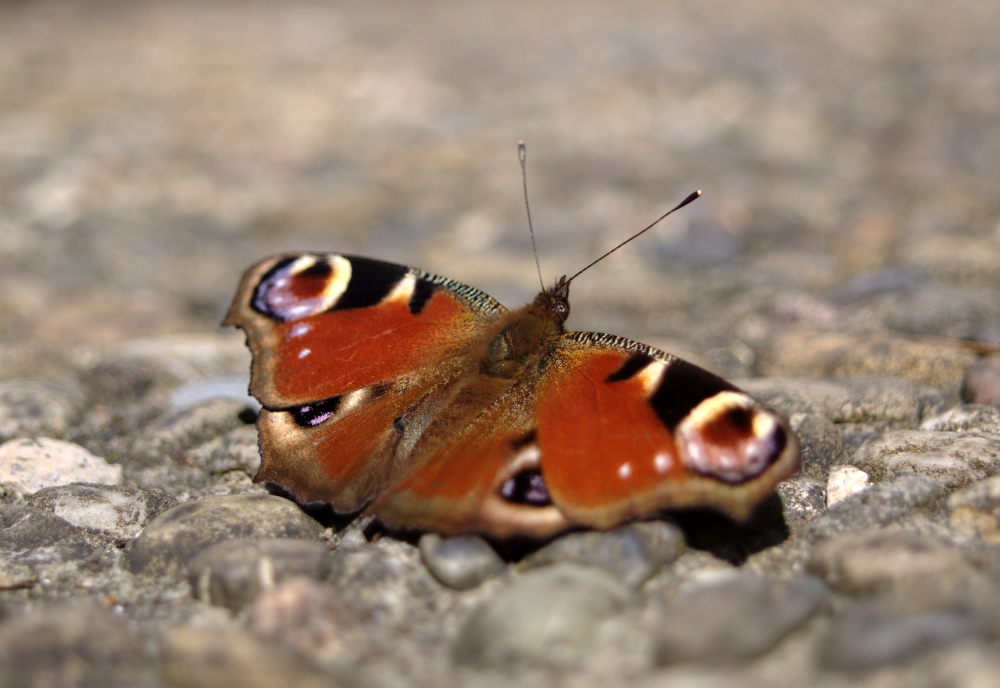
953, 459
181, 430
632, 553
859, 400
176, 536
308, 617
76, 643
820, 443
976, 417
33, 407
803, 499
24, 529
734, 619
29, 465
118, 511
461, 562
866, 638
876, 561
877, 506
237, 450
845, 481
202, 658
233, 573
547, 618
982, 386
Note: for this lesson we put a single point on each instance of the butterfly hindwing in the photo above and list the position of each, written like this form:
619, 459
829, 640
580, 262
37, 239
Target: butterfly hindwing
625, 430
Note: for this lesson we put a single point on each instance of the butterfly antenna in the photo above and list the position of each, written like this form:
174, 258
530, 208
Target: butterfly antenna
655, 222
521, 154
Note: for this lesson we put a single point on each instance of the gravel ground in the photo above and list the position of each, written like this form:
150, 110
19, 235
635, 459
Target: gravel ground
842, 266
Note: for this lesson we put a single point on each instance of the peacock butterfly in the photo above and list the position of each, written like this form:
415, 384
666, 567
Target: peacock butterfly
426, 403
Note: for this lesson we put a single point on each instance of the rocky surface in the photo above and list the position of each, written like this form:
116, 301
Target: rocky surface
842, 266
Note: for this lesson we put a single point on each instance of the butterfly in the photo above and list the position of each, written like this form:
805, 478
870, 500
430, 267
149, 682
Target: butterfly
424, 402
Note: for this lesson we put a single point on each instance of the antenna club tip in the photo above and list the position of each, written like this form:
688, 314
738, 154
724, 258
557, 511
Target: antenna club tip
697, 192
520, 151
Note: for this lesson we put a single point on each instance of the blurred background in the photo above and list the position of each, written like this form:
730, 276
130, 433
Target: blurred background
849, 153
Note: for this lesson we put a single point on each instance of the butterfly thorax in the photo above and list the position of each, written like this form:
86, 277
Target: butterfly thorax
526, 336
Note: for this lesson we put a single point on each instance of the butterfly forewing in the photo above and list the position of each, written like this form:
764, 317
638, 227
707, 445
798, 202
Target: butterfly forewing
323, 325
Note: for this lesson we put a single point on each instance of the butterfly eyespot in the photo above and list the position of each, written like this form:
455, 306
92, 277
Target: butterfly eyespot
526, 487
296, 288
317, 413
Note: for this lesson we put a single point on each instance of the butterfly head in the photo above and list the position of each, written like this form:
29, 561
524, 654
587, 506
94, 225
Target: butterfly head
555, 301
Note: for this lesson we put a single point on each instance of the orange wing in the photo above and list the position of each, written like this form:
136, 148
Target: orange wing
343, 349
625, 430
320, 326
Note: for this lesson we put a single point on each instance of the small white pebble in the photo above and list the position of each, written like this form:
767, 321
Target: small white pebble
845, 481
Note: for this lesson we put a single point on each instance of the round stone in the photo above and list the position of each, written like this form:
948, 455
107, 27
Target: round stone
864, 639
632, 554
176, 536
118, 511
461, 562
845, 481
953, 459
305, 615
803, 499
885, 560
548, 618
734, 618
233, 573
30, 465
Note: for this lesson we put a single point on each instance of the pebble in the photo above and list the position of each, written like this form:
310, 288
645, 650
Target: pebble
877, 506
233, 573
876, 561
820, 443
953, 459
974, 417
632, 554
177, 535
118, 511
700, 623
982, 385
30, 465
461, 562
305, 616
803, 499
24, 529
866, 638
73, 643
34, 407
181, 430
975, 511
845, 481
864, 400
549, 617
203, 658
